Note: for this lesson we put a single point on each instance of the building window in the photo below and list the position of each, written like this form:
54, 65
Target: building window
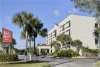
69, 24
63, 27
96, 41
68, 31
51, 34
55, 33
96, 25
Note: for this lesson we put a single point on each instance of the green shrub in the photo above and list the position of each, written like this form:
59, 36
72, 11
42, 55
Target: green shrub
67, 53
90, 52
43, 51
8, 57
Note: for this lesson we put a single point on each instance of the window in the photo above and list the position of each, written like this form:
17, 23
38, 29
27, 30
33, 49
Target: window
55, 33
69, 24
96, 41
68, 31
51, 34
96, 25
63, 27
63, 33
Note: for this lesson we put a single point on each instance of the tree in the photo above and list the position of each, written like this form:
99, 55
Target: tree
64, 39
13, 41
24, 19
31, 26
23, 36
38, 30
0, 37
77, 44
90, 6
56, 45
12, 45
0, 41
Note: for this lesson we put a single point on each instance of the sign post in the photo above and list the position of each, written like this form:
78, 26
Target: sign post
7, 38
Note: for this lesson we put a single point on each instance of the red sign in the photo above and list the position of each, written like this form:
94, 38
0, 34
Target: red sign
6, 36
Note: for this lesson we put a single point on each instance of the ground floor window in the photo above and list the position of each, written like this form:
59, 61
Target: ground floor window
96, 41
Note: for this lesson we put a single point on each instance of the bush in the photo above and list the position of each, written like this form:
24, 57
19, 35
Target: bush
90, 52
43, 51
8, 57
67, 53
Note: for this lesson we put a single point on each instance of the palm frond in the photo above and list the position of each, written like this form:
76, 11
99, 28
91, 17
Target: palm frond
17, 19
13, 41
43, 32
23, 36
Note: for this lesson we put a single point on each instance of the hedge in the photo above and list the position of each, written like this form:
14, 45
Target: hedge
66, 53
8, 57
90, 52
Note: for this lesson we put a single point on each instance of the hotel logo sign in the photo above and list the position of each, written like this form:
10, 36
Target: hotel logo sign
6, 36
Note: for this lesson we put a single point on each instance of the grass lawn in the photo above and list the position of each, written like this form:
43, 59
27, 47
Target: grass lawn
98, 64
24, 64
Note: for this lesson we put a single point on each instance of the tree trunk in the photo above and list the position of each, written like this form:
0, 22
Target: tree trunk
30, 56
34, 50
26, 46
30, 46
78, 49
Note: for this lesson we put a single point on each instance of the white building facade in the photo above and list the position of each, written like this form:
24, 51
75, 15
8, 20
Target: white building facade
78, 27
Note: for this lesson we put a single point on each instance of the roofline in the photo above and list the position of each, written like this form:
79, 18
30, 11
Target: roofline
70, 16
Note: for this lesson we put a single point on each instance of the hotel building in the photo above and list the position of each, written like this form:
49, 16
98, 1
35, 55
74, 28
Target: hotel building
78, 27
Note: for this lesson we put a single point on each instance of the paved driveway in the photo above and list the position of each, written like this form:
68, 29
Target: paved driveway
67, 62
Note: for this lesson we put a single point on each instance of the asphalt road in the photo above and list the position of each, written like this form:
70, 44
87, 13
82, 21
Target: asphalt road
67, 62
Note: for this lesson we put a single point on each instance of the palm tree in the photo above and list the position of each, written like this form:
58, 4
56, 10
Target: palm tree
23, 36
0, 37
0, 40
64, 39
13, 41
77, 44
38, 30
56, 45
24, 20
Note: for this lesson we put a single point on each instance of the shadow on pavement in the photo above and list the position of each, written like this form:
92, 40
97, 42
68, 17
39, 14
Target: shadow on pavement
28, 62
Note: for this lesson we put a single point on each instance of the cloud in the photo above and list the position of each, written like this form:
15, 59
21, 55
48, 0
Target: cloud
56, 13
73, 11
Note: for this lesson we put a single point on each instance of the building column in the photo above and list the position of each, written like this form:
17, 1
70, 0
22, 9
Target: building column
50, 50
39, 51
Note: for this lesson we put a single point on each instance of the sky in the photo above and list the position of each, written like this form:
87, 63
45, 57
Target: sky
48, 11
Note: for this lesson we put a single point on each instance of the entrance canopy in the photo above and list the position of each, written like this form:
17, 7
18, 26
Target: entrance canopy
44, 46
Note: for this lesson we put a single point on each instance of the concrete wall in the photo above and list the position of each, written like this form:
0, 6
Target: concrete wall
82, 28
